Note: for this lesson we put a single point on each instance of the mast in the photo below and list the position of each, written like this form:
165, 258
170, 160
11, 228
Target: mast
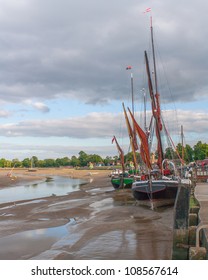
182, 144
153, 54
145, 111
155, 99
131, 130
155, 114
121, 153
132, 89
132, 138
132, 92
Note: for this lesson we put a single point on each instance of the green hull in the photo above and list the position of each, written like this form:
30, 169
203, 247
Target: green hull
121, 182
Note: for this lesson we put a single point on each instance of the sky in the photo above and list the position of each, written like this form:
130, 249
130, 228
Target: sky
63, 72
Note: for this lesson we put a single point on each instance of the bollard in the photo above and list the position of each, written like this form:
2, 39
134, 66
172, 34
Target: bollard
197, 253
194, 210
192, 236
193, 219
180, 244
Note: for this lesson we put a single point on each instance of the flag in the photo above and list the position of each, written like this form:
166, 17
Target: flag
128, 67
113, 139
147, 10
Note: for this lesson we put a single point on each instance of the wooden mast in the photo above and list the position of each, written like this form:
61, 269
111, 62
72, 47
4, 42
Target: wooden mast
182, 144
131, 129
132, 138
155, 113
155, 100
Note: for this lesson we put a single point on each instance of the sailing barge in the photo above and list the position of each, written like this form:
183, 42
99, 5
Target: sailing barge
165, 182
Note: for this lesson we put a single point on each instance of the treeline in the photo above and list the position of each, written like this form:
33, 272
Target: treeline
82, 160
198, 152
189, 154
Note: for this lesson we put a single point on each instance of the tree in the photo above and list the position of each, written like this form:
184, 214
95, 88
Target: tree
94, 158
65, 161
26, 163
34, 161
170, 153
49, 162
62, 161
179, 149
188, 153
83, 158
3, 162
41, 163
200, 151
16, 163
115, 158
74, 161
107, 161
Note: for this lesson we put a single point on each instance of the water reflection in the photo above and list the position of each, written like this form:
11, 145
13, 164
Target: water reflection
29, 243
111, 245
116, 229
56, 186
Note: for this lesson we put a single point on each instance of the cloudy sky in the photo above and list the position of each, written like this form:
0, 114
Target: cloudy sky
63, 77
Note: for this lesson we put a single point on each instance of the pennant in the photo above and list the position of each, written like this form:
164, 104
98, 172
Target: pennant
128, 67
147, 10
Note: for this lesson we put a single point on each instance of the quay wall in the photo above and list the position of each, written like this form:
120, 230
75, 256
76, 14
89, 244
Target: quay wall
190, 228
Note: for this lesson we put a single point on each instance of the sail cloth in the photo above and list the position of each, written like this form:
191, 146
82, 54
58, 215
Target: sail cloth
144, 149
121, 153
131, 131
132, 137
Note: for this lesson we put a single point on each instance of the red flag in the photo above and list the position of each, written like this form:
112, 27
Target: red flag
147, 10
128, 67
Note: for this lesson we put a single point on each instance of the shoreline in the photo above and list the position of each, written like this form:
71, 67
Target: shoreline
22, 209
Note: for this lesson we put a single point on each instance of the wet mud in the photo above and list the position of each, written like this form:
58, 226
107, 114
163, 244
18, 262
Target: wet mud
93, 223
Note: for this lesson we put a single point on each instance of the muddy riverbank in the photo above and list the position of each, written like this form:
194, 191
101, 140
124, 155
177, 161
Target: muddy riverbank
99, 222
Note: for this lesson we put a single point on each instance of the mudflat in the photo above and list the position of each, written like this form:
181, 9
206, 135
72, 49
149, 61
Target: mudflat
100, 222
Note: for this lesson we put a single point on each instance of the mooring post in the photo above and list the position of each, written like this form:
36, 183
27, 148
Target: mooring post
198, 253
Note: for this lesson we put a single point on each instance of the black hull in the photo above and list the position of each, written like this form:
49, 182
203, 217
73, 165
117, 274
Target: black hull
160, 189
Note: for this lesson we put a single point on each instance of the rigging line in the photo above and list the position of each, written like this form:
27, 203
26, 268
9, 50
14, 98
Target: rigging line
169, 144
167, 82
173, 144
120, 133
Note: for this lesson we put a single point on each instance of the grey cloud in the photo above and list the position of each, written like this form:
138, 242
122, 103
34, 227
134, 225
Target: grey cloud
79, 50
51, 49
94, 125
97, 125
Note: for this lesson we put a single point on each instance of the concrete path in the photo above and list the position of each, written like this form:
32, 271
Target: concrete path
201, 194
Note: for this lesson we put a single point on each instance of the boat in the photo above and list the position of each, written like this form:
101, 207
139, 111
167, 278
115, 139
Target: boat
121, 179
160, 181
125, 178
32, 168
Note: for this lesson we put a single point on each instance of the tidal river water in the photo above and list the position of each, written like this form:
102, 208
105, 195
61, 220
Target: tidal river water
102, 224
56, 185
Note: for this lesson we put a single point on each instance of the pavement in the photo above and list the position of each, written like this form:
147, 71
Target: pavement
201, 194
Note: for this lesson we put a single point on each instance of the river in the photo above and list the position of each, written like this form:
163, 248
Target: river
55, 185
